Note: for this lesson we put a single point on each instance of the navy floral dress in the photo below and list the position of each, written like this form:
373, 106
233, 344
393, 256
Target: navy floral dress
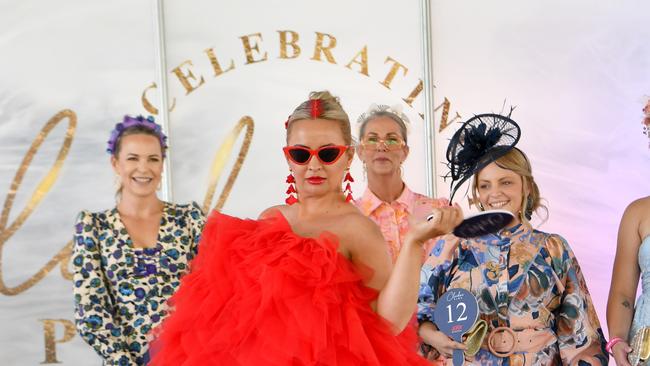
120, 291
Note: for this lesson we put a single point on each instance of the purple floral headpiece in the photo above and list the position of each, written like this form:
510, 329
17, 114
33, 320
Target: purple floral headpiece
137, 121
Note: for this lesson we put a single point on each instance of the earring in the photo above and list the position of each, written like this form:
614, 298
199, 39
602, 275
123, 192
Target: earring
480, 206
365, 172
292, 194
117, 182
529, 208
348, 189
159, 185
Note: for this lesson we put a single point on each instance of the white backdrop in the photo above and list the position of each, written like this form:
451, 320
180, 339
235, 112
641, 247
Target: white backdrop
576, 73
97, 60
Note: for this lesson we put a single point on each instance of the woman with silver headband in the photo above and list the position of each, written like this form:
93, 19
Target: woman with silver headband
387, 200
530, 290
128, 260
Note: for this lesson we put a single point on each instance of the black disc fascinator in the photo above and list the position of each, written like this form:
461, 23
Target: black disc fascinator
479, 141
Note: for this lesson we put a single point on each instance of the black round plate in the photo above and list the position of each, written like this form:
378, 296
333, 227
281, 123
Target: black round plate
483, 223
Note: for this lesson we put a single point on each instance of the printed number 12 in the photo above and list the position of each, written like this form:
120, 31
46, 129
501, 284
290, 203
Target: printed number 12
462, 313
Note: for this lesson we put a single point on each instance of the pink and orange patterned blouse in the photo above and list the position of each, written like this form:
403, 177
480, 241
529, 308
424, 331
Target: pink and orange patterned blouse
392, 218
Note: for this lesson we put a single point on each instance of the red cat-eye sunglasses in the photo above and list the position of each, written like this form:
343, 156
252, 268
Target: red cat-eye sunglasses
326, 154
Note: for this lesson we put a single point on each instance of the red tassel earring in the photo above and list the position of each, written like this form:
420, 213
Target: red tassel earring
291, 191
348, 189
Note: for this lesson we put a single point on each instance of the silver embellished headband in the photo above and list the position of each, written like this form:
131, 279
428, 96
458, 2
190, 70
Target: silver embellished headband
377, 109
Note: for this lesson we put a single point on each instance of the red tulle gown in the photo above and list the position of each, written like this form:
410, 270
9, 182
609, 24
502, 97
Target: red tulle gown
258, 294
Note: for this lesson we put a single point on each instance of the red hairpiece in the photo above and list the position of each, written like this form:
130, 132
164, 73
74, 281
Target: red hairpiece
316, 109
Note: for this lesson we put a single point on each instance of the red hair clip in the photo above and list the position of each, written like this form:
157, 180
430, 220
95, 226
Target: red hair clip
316, 108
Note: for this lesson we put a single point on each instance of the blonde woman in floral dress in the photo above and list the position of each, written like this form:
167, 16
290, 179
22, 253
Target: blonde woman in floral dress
528, 283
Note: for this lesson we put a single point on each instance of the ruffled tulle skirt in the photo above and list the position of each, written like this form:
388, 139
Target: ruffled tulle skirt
258, 294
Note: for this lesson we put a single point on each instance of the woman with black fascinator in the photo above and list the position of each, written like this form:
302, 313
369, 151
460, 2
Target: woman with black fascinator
534, 306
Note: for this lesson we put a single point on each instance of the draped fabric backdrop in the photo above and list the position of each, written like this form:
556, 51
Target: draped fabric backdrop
70, 70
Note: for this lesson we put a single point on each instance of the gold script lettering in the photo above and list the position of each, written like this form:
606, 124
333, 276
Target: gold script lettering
363, 55
50, 337
325, 50
414, 93
445, 115
44, 186
221, 158
293, 43
248, 48
215, 63
393, 71
185, 78
148, 106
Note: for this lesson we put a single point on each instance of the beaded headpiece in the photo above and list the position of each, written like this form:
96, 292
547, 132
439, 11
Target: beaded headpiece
315, 110
375, 109
129, 122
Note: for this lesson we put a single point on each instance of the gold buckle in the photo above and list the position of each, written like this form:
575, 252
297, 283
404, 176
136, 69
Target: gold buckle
474, 338
493, 339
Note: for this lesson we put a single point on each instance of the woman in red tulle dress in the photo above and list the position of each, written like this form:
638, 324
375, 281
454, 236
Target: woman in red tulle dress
307, 283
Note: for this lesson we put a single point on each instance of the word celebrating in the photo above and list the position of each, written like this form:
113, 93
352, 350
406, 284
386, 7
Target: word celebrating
290, 48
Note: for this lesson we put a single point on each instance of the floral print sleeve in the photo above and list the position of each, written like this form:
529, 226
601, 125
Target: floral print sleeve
436, 274
197, 220
93, 316
580, 338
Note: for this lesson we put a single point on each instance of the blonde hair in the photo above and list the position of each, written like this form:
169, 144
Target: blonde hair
330, 109
515, 160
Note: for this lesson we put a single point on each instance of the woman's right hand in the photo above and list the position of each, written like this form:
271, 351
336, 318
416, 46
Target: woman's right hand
443, 221
619, 352
441, 342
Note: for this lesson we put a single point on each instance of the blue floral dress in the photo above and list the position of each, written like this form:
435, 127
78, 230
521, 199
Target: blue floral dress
119, 290
526, 281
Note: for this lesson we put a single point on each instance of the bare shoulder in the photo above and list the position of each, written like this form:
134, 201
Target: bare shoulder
359, 228
641, 205
269, 212
637, 210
